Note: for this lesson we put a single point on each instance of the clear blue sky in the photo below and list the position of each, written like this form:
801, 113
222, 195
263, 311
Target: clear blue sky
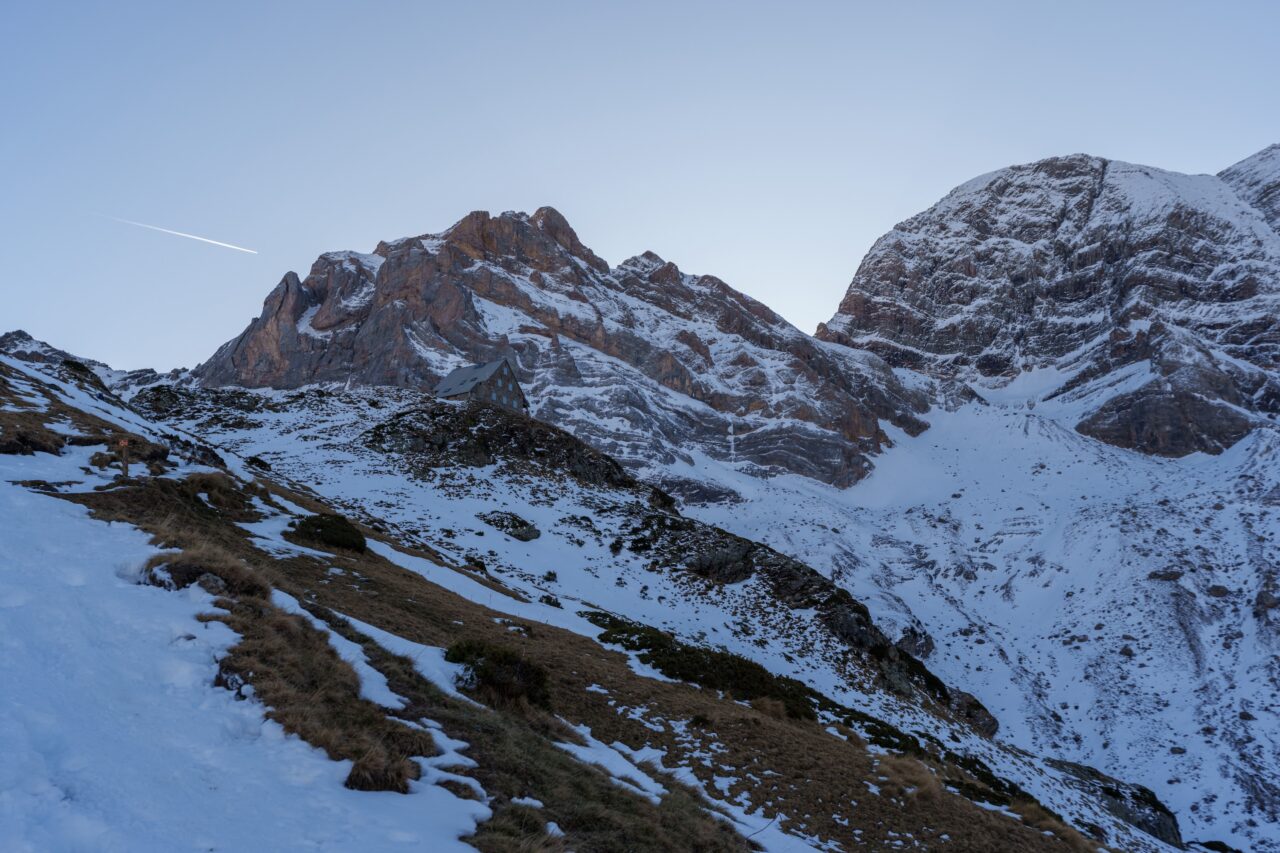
768, 144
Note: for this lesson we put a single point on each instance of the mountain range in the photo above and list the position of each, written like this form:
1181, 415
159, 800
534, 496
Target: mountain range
1010, 514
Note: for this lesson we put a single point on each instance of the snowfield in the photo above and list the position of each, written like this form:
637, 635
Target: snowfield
1101, 603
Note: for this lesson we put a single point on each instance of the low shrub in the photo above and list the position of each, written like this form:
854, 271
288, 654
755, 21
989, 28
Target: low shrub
770, 707
501, 673
220, 492
741, 678
332, 530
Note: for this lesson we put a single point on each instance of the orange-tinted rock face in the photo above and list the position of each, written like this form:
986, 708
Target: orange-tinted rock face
642, 360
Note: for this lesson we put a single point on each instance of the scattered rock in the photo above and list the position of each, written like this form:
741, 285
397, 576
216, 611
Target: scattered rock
510, 524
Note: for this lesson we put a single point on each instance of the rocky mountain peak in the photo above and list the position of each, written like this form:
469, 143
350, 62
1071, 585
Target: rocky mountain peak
1150, 295
15, 339
543, 240
644, 361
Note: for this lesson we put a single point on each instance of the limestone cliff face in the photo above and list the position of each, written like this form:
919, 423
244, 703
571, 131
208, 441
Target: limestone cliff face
1152, 296
645, 362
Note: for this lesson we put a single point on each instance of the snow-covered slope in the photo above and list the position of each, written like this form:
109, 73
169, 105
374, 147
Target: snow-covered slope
1108, 607
112, 735
383, 453
1256, 179
139, 703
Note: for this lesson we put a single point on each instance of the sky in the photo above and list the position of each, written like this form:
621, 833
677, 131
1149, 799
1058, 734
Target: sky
768, 144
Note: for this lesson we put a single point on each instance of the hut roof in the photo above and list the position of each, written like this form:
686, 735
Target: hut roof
463, 379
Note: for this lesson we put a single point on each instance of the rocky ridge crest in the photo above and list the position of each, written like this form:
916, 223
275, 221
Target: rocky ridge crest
642, 360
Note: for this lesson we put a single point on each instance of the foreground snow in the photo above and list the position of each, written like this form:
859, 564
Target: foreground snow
112, 735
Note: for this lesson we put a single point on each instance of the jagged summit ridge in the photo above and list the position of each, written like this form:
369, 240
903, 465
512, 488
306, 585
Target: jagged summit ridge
1152, 294
1256, 179
643, 360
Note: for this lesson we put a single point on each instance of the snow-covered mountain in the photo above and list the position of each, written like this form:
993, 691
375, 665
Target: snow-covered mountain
1035, 309
1112, 608
1153, 294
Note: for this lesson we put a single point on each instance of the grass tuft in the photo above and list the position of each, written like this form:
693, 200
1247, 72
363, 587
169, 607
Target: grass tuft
501, 673
194, 563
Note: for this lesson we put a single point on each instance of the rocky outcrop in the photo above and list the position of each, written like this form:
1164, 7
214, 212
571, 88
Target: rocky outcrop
1151, 295
447, 434
1133, 804
642, 360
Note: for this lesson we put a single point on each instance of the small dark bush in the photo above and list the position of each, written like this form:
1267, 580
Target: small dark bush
550, 600
741, 678
26, 443
501, 672
76, 366
1219, 847
332, 530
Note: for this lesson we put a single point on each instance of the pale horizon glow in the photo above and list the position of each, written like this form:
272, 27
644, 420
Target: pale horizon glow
183, 234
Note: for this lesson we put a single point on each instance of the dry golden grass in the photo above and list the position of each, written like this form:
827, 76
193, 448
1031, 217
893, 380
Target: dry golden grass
201, 558
905, 776
1035, 816
307, 688
315, 695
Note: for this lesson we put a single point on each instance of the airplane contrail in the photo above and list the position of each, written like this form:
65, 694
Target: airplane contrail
181, 234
